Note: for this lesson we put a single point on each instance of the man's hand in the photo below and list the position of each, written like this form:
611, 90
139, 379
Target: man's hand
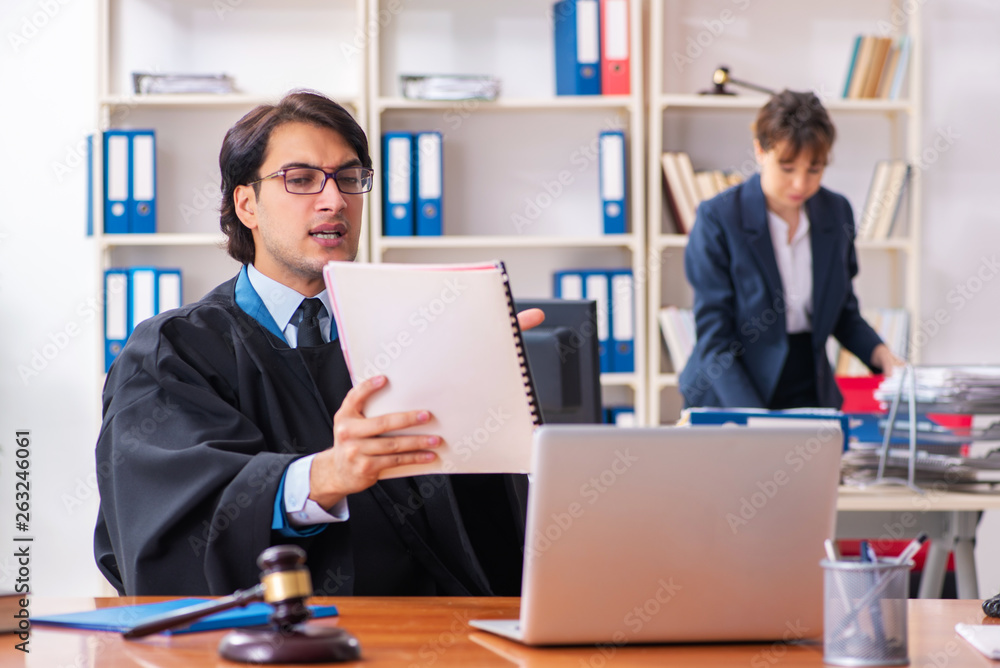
883, 358
529, 318
360, 451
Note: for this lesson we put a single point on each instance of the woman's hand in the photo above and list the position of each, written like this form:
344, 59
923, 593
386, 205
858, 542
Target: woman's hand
884, 359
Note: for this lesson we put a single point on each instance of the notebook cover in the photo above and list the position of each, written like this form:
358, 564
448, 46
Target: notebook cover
447, 338
123, 618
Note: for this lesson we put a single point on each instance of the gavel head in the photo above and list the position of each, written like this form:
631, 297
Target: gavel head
286, 583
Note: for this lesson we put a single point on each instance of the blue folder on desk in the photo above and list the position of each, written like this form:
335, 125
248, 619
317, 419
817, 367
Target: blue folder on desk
746, 416
123, 618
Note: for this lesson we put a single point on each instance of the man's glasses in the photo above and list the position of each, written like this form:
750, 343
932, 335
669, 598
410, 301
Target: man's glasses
312, 180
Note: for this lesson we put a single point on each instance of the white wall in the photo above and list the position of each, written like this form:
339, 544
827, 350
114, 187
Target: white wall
961, 246
48, 87
47, 288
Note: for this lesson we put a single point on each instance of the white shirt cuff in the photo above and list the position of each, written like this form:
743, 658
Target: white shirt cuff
299, 508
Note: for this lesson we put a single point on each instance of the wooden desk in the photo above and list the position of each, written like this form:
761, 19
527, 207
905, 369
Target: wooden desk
950, 519
434, 632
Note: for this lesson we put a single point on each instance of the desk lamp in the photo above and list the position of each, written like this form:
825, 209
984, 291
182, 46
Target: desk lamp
721, 77
284, 584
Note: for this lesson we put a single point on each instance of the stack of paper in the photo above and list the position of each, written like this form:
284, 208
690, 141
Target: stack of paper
861, 464
152, 84
449, 87
950, 389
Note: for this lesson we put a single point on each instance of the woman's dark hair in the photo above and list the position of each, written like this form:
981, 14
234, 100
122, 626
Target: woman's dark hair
797, 120
246, 142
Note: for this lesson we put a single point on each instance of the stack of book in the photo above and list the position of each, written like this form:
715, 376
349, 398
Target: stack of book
686, 189
885, 194
877, 67
677, 325
893, 327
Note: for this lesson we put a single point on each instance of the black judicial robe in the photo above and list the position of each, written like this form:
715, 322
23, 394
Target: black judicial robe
203, 411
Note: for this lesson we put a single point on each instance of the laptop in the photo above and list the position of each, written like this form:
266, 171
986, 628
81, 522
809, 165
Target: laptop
676, 534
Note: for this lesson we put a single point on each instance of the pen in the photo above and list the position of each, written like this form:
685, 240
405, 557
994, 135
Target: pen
911, 549
868, 556
831, 551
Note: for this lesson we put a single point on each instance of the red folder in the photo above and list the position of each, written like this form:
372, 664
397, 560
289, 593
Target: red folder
615, 75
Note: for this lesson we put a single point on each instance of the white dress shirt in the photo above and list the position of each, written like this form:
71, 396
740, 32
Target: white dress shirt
282, 302
795, 267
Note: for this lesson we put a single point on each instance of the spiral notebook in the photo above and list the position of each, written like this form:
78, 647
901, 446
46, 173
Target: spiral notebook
447, 338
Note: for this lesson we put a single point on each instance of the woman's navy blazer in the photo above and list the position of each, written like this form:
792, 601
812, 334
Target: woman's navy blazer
739, 303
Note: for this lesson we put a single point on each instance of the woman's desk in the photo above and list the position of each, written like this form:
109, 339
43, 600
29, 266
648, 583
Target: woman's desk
949, 518
434, 632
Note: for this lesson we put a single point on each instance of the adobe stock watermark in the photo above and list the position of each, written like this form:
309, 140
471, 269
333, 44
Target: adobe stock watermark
59, 340
433, 650
591, 491
634, 621
959, 296
262, 483
420, 321
695, 45
86, 487
794, 632
750, 505
77, 153
33, 23
580, 159
205, 197
898, 16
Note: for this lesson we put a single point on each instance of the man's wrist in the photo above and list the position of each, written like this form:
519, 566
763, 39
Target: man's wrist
319, 485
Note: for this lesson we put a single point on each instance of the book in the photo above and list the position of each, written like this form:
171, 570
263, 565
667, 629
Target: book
862, 65
124, 618
677, 326
880, 54
681, 208
872, 208
885, 195
888, 73
447, 338
850, 66
891, 198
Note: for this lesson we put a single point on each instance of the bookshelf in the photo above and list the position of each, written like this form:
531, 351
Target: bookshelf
268, 47
687, 41
503, 160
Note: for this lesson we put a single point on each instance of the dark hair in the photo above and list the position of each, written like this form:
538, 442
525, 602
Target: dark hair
799, 121
245, 144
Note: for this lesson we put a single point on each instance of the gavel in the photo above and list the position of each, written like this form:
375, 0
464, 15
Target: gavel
285, 585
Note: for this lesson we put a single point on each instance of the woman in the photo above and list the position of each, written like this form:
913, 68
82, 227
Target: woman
771, 262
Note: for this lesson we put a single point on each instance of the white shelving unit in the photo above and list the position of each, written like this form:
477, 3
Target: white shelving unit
269, 47
503, 197
786, 44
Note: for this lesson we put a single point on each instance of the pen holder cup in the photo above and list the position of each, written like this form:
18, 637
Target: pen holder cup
864, 612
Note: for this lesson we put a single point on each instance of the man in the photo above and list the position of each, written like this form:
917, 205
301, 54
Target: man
231, 425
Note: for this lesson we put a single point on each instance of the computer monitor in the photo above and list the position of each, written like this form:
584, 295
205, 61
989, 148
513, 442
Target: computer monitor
564, 360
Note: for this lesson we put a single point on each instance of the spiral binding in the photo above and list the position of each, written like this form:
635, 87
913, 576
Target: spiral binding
522, 359
991, 606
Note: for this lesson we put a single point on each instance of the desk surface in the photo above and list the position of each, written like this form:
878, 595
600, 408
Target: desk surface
435, 632
898, 498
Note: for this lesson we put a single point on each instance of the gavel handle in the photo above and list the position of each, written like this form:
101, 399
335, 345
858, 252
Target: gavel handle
189, 614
